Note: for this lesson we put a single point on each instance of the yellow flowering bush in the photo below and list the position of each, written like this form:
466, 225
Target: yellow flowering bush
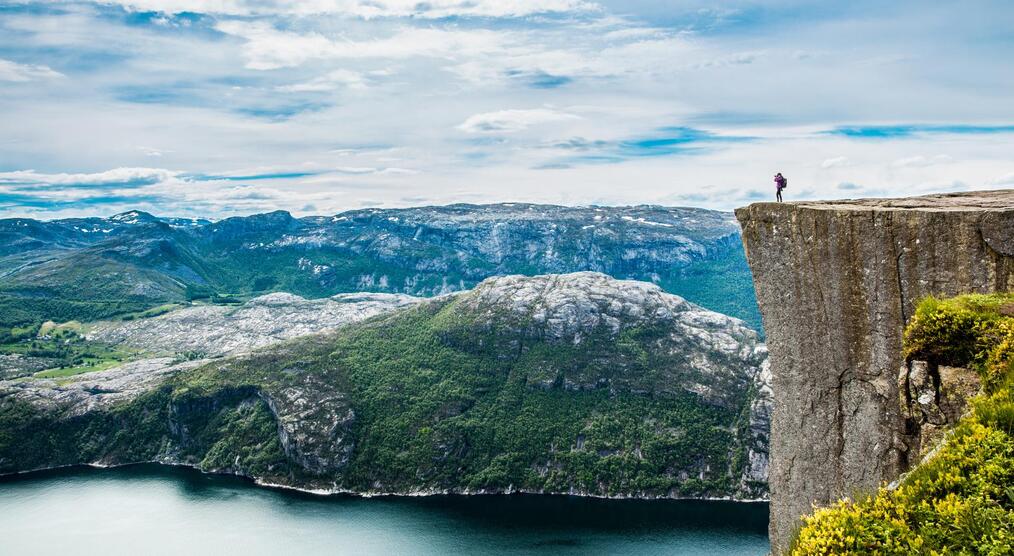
960, 501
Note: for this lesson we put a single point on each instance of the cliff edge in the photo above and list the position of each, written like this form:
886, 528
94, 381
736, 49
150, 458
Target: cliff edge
836, 282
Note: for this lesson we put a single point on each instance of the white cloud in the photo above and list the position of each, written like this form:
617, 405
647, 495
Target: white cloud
1007, 179
268, 48
108, 177
635, 33
328, 82
509, 121
777, 78
735, 59
363, 8
920, 161
149, 151
13, 71
835, 162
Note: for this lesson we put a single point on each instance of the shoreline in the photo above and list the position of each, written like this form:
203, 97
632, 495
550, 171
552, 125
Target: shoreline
323, 493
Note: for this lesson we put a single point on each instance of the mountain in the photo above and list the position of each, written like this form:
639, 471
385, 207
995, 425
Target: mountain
576, 383
94, 268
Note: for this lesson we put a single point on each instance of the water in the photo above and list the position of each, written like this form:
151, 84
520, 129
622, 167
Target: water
155, 510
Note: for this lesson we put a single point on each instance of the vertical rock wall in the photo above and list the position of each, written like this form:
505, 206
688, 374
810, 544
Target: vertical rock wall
836, 283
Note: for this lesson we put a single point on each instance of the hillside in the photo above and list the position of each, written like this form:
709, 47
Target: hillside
95, 268
573, 383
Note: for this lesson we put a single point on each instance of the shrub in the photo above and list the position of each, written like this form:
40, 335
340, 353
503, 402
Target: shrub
960, 501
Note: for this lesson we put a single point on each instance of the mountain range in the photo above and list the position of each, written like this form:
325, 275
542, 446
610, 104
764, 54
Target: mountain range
96, 268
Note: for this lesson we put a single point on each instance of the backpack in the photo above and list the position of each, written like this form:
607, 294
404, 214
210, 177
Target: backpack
785, 183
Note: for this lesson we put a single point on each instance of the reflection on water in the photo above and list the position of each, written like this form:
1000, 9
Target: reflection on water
157, 510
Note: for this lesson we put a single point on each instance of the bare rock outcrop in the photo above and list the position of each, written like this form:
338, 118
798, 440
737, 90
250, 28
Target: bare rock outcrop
712, 355
836, 282
932, 399
314, 425
213, 330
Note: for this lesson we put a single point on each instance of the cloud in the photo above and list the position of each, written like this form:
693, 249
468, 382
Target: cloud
1007, 179
364, 8
116, 176
835, 162
268, 48
661, 98
735, 59
20, 73
510, 121
920, 161
328, 82
149, 151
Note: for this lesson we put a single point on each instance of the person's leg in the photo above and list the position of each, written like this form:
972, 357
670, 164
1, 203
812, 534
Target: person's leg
779, 195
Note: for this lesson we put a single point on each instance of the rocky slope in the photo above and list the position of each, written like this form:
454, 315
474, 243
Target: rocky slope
93, 268
195, 332
836, 283
214, 330
576, 383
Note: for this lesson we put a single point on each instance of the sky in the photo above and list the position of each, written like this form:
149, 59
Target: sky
217, 108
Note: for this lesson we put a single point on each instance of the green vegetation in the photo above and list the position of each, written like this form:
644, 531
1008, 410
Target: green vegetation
66, 351
233, 432
153, 312
441, 401
87, 366
722, 283
19, 311
961, 499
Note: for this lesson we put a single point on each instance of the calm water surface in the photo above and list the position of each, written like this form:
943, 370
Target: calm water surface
155, 510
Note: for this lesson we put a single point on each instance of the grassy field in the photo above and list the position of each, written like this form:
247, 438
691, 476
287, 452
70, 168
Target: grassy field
91, 366
68, 351
154, 311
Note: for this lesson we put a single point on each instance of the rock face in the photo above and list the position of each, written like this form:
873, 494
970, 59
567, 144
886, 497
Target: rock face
314, 425
836, 283
933, 398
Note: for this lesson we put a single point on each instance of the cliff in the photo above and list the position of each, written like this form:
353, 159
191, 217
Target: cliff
836, 283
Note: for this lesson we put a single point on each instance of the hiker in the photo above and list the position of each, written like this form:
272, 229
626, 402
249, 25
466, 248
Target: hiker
780, 184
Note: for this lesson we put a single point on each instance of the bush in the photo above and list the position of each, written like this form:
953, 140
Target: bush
961, 501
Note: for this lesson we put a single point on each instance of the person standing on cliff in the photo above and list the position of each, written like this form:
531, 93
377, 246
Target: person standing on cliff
780, 184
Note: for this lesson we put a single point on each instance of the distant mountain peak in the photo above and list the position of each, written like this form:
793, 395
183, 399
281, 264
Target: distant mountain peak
133, 217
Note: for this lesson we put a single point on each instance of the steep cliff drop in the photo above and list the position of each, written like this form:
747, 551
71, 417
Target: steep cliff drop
836, 282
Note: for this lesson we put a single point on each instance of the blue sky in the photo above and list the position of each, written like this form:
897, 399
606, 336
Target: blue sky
222, 107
